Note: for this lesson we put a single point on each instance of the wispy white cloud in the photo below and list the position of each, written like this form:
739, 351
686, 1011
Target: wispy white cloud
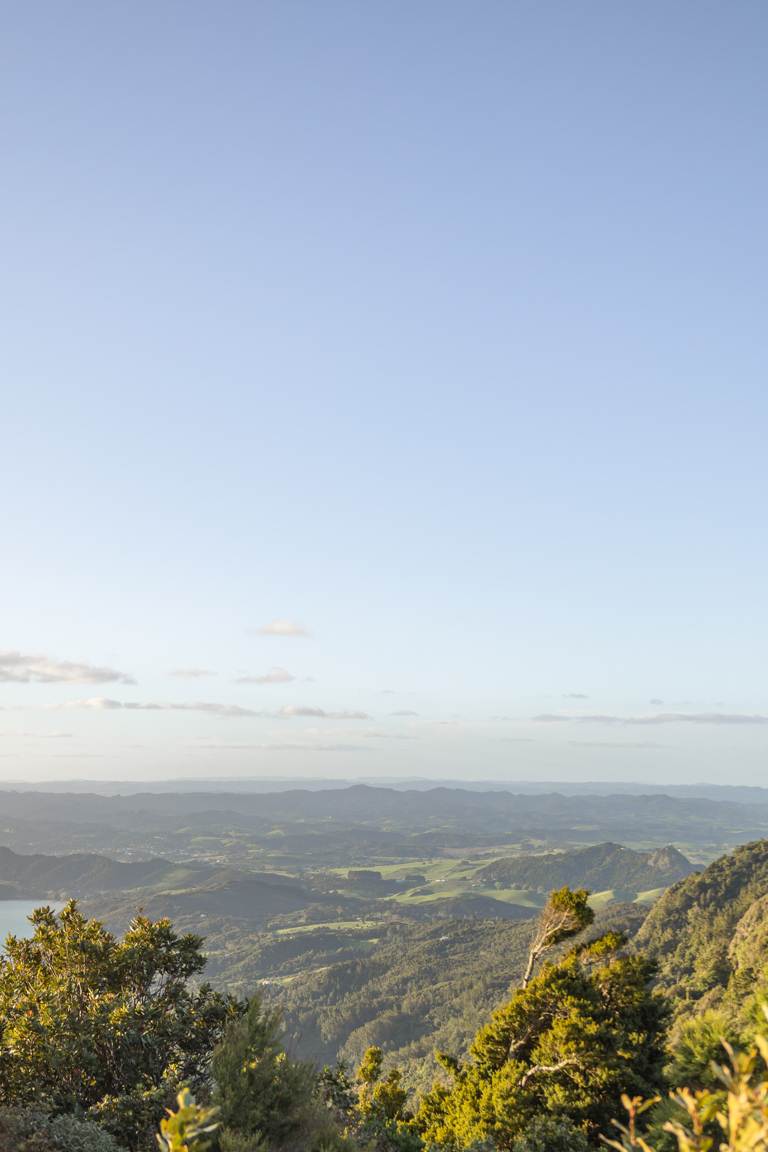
575, 696
374, 735
274, 676
289, 711
285, 747
404, 712
303, 710
24, 668
25, 735
192, 673
724, 718
282, 628
636, 744
107, 704
343, 734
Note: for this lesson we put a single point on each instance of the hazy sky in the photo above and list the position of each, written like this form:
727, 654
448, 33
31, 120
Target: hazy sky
435, 331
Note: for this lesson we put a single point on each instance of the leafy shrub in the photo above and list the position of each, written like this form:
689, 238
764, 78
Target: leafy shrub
267, 1102
189, 1127
28, 1130
547, 1134
730, 1118
90, 1024
566, 1046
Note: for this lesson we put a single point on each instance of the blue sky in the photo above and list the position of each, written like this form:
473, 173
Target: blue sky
436, 330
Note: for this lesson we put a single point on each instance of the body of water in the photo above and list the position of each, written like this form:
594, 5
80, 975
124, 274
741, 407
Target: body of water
13, 916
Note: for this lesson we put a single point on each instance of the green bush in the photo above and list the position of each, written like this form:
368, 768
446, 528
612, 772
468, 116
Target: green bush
547, 1134
91, 1024
730, 1118
28, 1130
267, 1102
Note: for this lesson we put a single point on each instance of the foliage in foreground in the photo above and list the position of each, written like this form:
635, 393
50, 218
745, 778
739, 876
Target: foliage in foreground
104, 1028
371, 1109
29, 1130
189, 1127
730, 1117
584, 1031
264, 1099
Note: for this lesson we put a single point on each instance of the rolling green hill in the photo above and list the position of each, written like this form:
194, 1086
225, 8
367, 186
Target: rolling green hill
598, 868
162, 888
83, 873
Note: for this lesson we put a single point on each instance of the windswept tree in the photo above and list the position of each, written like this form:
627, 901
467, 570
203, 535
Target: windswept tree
564, 1048
565, 914
102, 1027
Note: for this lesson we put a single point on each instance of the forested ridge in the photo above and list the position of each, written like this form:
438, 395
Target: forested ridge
598, 866
709, 933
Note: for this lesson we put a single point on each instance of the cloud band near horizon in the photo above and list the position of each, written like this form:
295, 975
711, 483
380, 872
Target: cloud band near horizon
289, 711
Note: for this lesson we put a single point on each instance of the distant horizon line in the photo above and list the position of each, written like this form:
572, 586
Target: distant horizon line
314, 783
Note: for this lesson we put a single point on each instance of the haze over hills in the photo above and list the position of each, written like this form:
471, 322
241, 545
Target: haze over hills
358, 820
737, 793
79, 874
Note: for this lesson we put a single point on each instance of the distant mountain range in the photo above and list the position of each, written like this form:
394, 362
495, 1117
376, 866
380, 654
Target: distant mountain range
415, 821
736, 793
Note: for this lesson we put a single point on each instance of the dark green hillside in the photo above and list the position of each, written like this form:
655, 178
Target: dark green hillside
467, 904
709, 933
416, 989
184, 892
251, 897
85, 873
422, 987
597, 868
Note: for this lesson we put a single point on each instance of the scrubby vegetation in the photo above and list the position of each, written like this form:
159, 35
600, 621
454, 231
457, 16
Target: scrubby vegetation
731, 1116
104, 1029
